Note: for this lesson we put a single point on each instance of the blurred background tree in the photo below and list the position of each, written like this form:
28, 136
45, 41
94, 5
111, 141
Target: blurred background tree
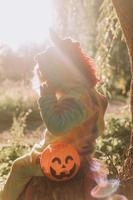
91, 22
112, 55
94, 24
77, 19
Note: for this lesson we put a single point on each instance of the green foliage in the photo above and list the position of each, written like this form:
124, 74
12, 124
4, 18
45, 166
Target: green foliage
77, 19
112, 55
16, 97
9, 153
112, 146
18, 127
18, 64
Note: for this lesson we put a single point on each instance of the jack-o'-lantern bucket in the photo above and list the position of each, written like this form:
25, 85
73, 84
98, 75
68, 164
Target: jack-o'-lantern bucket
60, 161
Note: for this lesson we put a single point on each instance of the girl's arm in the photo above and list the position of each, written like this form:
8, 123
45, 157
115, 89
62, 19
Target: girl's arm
61, 115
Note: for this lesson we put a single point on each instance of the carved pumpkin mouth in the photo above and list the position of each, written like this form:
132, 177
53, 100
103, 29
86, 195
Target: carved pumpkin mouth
63, 174
60, 161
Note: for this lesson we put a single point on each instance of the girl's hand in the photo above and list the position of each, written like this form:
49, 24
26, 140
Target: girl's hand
46, 88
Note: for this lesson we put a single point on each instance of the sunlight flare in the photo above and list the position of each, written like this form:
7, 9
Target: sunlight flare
24, 21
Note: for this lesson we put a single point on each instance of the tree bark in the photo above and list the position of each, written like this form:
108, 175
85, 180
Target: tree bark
124, 10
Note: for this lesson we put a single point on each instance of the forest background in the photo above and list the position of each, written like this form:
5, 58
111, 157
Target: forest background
95, 25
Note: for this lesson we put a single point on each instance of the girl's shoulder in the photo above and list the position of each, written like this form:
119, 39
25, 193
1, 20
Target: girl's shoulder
75, 92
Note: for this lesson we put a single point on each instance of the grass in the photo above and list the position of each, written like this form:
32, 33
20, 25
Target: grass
111, 147
18, 146
17, 97
18, 108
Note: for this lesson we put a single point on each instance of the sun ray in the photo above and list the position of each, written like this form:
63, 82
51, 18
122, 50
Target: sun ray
24, 21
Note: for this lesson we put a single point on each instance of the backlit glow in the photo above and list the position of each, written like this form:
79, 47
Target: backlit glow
23, 21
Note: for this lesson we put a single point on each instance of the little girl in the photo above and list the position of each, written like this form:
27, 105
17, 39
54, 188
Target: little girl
71, 109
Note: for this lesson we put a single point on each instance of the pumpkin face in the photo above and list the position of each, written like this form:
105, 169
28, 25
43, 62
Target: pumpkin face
60, 161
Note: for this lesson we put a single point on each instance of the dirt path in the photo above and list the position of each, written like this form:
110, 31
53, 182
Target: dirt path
30, 137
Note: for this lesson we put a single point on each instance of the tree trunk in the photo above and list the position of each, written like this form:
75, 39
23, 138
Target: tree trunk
124, 9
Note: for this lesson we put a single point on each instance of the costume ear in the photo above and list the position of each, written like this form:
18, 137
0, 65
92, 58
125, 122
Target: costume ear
64, 44
55, 38
42, 57
38, 57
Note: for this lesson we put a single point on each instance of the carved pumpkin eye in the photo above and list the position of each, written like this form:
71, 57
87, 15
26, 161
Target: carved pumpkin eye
57, 160
60, 161
68, 158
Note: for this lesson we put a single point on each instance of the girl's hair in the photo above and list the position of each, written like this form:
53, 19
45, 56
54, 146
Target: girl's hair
73, 52
83, 62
